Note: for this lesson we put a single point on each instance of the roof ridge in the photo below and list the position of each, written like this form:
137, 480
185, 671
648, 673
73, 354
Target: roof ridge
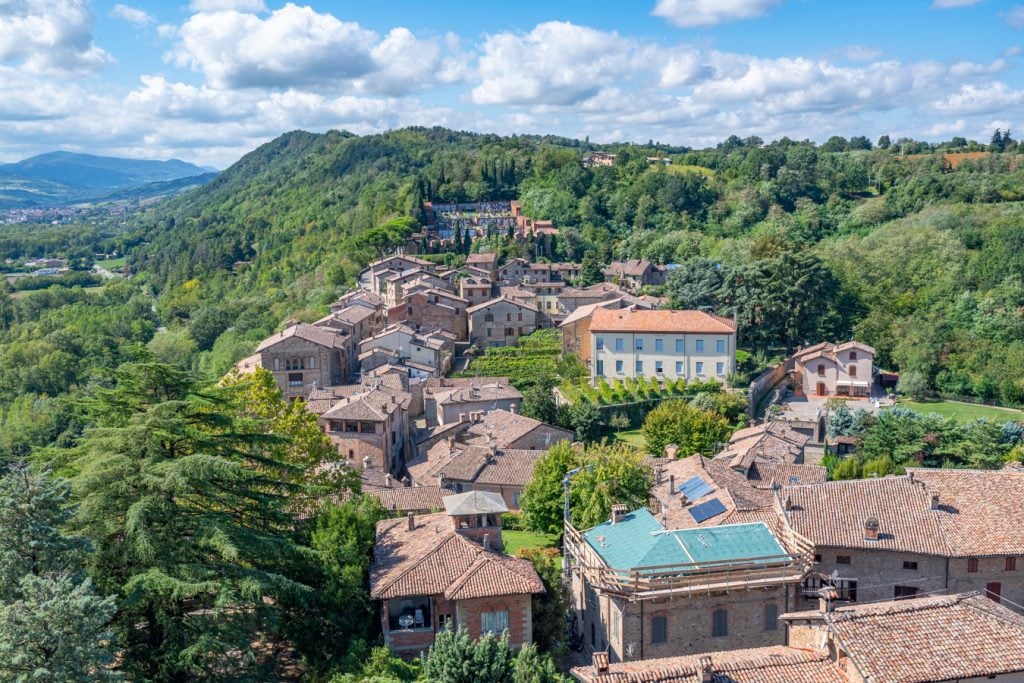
433, 551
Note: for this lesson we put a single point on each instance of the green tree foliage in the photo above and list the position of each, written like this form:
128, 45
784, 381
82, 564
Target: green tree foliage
585, 419
693, 429
183, 498
456, 658
539, 401
542, 498
53, 625
840, 421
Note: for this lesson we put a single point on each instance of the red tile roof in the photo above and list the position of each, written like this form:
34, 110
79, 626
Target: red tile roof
624, 320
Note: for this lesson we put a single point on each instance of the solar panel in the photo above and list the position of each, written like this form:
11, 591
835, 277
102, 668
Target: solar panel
695, 487
707, 510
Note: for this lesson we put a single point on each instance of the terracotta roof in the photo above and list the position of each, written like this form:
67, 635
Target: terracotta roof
940, 638
599, 289
433, 559
974, 521
372, 404
476, 393
508, 428
606, 320
481, 258
767, 475
399, 498
310, 333
771, 442
630, 267
834, 513
588, 310
500, 299
774, 664
478, 464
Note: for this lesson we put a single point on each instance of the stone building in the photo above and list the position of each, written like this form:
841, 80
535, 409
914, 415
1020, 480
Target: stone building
401, 344
374, 276
926, 640
371, 427
458, 403
769, 443
634, 274
461, 467
476, 289
302, 357
446, 570
432, 309
640, 590
506, 429
501, 322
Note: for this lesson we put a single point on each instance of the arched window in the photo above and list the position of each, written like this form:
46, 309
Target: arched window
771, 617
719, 623
659, 630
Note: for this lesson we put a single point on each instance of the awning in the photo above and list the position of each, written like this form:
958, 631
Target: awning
852, 383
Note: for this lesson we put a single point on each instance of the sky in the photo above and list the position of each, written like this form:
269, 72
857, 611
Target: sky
209, 80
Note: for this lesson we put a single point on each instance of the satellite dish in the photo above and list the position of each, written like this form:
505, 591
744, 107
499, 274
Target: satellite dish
834, 576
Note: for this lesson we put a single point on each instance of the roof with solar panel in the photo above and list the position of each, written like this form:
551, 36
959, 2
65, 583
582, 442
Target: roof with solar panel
638, 540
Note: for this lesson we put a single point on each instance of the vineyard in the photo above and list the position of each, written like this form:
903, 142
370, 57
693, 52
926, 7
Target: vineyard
630, 390
535, 357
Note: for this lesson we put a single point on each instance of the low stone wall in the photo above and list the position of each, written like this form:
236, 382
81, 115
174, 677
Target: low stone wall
765, 382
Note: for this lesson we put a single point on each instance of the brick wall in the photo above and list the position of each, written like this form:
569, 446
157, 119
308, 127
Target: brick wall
541, 438
520, 615
328, 370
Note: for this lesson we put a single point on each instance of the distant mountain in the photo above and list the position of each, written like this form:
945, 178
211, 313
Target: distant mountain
61, 178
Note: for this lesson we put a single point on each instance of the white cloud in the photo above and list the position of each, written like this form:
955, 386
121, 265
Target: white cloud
945, 128
224, 5
1015, 16
860, 53
949, 4
132, 15
556, 63
49, 36
684, 67
988, 98
297, 47
711, 12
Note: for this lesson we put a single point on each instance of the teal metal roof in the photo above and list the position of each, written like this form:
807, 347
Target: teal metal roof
639, 541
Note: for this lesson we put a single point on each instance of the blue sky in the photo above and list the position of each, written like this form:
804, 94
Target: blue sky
208, 80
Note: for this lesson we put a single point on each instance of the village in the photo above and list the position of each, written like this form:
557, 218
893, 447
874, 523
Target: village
746, 564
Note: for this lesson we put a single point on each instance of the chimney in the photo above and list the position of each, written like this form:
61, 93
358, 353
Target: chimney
671, 484
707, 670
412, 521
788, 504
600, 661
826, 599
683, 500
935, 501
618, 513
514, 409
871, 529
487, 541
387, 480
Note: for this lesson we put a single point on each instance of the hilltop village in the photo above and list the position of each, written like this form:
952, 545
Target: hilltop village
745, 563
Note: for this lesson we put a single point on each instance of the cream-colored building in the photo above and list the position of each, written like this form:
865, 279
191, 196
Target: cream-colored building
829, 369
669, 345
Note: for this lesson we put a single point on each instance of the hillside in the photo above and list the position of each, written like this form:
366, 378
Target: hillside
60, 178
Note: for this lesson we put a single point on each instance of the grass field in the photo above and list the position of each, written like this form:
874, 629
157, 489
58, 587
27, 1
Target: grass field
633, 437
514, 540
962, 411
114, 263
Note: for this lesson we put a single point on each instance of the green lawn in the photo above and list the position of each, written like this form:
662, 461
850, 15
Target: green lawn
113, 263
962, 411
633, 437
514, 540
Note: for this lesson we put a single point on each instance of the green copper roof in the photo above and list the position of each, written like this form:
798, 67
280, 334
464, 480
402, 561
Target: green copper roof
639, 541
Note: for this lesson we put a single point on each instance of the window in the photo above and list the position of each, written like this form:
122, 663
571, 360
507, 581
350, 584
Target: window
1011, 564
853, 355
600, 344
295, 379
771, 617
367, 427
510, 331
910, 565
618, 343
351, 426
821, 371
351, 454
846, 589
680, 346
904, 592
520, 317
659, 630
700, 346
719, 369
639, 343
515, 498
618, 367
494, 622
700, 368
639, 367
842, 559
277, 363
853, 370
600, 368
994, 591
295, 364
488, 317
719, 623
489, 330
679, 367
719, 346
817, 557
657, 367
972, 565
508, 317
659, 344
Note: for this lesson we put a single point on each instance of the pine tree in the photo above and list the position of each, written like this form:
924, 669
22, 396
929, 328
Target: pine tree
183, 498
53, 626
